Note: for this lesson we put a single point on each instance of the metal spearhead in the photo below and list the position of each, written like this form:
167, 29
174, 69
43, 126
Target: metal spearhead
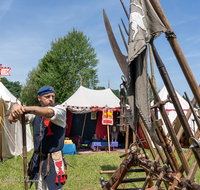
153, 134
121, 59
194, 144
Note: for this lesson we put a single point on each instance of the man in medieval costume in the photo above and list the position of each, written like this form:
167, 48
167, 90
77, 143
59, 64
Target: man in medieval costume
47, 167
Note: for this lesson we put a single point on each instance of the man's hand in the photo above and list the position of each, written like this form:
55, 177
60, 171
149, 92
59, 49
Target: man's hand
16, 111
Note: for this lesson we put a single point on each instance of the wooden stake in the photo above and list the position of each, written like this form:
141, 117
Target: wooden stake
108, 138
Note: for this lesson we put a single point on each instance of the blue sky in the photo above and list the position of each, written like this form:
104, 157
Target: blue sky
28, 27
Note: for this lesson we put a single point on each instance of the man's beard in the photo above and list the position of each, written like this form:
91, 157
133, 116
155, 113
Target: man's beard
43, 104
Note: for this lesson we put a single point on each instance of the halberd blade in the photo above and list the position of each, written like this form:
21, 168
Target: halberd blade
121, 59
153, 134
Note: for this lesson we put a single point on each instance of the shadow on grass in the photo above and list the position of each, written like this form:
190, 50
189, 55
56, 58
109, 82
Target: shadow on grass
108, 167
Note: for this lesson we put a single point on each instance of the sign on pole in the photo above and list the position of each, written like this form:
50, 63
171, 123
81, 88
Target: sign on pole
107, 116
4, 71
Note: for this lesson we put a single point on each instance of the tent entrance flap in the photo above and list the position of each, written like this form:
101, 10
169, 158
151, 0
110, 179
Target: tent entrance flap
77, 126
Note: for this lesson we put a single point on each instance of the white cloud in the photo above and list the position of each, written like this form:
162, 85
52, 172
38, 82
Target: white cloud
4, 7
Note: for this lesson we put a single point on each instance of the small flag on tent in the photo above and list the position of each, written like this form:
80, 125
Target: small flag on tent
4, 71
107, 116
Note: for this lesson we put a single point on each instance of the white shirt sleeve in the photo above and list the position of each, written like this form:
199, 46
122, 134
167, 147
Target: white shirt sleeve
30, 118
59, 117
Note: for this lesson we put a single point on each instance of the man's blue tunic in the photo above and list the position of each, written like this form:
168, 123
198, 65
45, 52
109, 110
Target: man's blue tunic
52, 137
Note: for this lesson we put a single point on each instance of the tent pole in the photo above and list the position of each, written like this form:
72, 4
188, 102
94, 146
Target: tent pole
1, 156
108, 138
83, 125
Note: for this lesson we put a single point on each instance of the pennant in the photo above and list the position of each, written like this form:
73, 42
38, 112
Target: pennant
143, 24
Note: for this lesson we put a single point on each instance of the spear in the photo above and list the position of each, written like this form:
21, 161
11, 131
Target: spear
179, 110
177, 50
24, 146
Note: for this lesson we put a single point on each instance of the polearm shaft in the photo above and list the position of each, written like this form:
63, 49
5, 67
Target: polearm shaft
180, 132
191, 174
181, 169
193, 111
170, 129
167, 148
177, 51
113, 171
120, 172
146, 137
123, 38
24, 147
177, 126
179, 110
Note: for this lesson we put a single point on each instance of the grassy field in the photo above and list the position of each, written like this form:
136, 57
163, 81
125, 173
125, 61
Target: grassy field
85, 176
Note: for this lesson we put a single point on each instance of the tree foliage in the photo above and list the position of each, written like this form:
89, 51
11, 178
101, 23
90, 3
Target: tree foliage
116, 92
30, 89
14, 87
69, 58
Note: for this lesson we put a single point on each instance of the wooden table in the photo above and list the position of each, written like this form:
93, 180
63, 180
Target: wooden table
103, 145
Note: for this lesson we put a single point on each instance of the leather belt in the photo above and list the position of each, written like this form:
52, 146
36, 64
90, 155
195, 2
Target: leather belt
42, 154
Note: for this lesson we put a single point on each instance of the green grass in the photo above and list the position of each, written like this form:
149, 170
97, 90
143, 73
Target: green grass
85, 175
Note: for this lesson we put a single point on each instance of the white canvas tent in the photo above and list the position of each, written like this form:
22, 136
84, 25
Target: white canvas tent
84, 99
11, 134
169, 107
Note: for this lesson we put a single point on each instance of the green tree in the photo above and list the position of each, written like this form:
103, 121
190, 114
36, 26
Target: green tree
70, 57
14, 87
100, 88
30, 89
116, 92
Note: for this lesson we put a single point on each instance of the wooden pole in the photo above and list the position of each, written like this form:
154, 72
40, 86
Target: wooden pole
24, 147
134, 137
113, 171
177, 51
108, 83
108, 138
127, 139
144, 131
152, 67
1, 154
126, 147
83, 125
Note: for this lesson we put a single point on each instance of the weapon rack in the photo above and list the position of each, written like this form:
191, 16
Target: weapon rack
170, 174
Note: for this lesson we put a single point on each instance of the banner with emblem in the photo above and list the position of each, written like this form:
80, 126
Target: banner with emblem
143, 24
107, 116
